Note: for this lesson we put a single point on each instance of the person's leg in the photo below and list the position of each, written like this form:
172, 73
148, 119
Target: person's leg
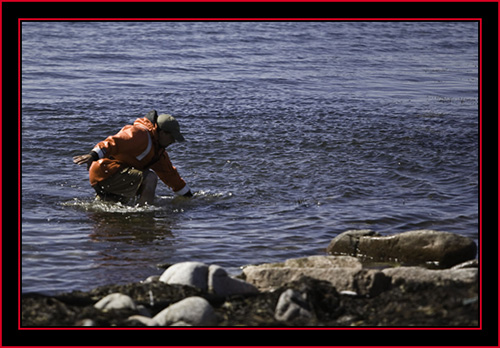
147, 189
120, 187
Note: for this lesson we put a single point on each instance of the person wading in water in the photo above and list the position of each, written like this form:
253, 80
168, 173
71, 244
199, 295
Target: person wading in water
121, 167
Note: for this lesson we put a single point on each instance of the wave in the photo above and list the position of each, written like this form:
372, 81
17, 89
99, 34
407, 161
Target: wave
161, 203
108, 207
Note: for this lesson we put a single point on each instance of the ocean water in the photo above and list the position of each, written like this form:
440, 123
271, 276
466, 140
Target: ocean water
296, 132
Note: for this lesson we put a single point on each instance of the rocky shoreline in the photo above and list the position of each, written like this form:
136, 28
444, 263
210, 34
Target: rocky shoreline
362, 282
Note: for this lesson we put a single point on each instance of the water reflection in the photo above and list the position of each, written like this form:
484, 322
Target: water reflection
137, 229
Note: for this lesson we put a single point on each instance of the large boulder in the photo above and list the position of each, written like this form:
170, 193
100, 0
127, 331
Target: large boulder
442, 249
187, 273
211, 278
343, 272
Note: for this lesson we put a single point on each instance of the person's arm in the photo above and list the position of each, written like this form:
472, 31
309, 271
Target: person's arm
169, 175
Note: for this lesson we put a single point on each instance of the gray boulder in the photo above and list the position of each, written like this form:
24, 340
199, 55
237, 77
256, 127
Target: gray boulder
343, 272
192, 311
187, 273
211, 278
443, 249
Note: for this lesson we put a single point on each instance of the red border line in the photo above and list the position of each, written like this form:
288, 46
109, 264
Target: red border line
256, 19
190, 1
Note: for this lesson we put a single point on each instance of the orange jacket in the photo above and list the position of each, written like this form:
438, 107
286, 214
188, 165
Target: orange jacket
135, 146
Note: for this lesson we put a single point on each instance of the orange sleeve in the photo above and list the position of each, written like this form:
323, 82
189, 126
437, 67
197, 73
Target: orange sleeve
169, 175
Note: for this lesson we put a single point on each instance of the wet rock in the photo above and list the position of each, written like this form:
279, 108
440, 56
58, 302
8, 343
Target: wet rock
115, 301
220, 283
291, 305
343, 272
187, 273
195, 311
443, 249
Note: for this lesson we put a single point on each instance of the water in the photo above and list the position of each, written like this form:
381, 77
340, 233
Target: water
297, 131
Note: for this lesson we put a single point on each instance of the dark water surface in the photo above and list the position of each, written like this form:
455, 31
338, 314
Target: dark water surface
297, 131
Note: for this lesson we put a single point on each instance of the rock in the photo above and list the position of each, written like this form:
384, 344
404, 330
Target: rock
343, 272
187, 273
195, 311
115, 301
419, 276
323, 261
443, 249
271, 276
211, 278
292, 305
220, 283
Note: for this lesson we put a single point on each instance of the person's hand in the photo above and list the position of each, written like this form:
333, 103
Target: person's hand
83, 159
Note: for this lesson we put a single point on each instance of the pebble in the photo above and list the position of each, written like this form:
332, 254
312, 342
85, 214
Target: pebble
292, 305
115, 301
